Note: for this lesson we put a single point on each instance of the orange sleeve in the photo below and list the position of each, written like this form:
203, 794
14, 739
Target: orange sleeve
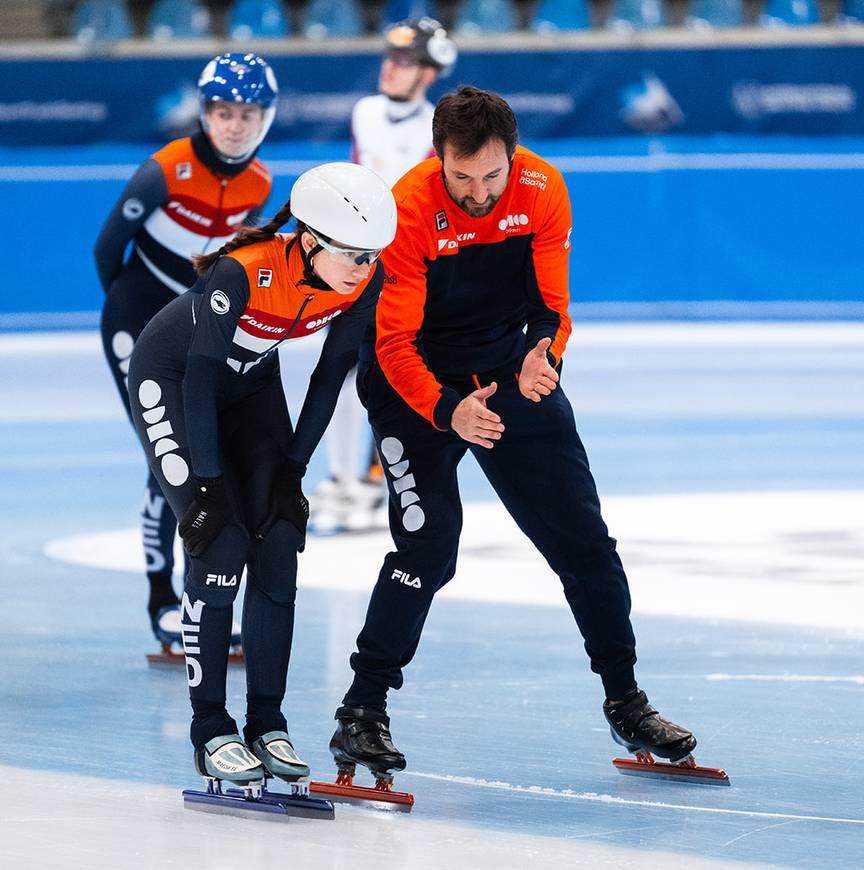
548, 314
399, 325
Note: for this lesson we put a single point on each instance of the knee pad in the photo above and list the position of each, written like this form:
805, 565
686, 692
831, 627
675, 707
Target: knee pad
273, 568
214, 577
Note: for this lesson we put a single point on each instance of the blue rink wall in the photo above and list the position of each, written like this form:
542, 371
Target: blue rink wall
721, 226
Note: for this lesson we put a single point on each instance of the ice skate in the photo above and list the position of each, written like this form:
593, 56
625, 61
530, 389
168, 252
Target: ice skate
339, 506
228, 760
363, 737
167, 628
277, 756
637, 726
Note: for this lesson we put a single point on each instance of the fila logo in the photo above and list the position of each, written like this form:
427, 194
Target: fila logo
513, 220
315, 324
403, 484
265, 277
174, 466
184, 171
190, 629
449, 244
221, 580
406, 579
441, 220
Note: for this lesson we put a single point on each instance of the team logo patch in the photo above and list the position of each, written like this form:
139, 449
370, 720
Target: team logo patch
219, 302
133, 208
441, 220
265, 277
184, 171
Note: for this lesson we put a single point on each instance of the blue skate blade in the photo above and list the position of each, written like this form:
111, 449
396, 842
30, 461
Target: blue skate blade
272, 806
294, 805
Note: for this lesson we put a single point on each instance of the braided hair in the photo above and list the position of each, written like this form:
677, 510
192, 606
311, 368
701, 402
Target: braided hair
245, 236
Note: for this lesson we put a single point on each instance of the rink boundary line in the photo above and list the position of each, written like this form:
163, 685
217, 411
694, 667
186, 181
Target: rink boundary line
661, 333
855, 679
594, 797
614, 163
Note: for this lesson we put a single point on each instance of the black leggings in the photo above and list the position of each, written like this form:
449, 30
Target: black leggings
134, 297
254, 435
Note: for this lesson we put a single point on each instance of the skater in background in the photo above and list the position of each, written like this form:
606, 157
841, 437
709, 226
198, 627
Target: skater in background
391, 132
188, 198
470, 339
208, 405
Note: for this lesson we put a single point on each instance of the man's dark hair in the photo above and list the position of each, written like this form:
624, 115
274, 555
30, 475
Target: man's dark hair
468, 119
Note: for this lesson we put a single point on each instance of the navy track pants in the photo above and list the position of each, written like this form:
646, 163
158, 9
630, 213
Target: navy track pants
540, 472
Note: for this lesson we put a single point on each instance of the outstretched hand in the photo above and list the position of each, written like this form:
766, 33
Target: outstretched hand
537, 378
473, 421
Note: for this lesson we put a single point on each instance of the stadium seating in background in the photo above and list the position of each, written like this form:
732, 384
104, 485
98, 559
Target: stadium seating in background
851, 12
179, 19
710, 14
101, 20
399, 10
555, 15
328, 19
486, 16
629, 15
259, 19
789, 13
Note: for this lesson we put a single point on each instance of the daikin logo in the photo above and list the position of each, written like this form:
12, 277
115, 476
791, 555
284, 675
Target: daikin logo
447, 244
403, 484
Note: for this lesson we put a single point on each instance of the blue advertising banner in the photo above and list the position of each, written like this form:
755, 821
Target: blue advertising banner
798, 90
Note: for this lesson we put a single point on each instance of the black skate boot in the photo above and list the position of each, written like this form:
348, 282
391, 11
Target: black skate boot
363, 737
636, 725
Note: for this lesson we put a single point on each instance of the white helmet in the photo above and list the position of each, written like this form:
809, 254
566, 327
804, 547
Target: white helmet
346, 203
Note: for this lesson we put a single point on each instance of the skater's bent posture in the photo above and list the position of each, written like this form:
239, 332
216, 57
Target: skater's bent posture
188, 198
471, 329
208, 406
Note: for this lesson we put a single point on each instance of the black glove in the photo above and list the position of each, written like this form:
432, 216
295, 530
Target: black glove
206, 516
287, 502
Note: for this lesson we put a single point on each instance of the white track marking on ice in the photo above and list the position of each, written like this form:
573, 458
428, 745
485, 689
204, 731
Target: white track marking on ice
594, 797
662, 334
856, 679
662, 161
759, 831
766, 557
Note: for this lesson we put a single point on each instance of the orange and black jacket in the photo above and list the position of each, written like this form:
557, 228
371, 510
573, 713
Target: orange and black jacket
250, 302
184, 200
468, 296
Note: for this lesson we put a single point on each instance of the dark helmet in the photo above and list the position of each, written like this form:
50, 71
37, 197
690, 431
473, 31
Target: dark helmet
424, 41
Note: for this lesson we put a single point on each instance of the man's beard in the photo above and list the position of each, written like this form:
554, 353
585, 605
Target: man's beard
468, 205
471, 208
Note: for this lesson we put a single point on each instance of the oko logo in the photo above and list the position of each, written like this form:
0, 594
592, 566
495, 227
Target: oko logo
403, 484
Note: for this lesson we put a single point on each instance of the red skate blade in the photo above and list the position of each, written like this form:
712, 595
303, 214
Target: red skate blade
669, 770
167, 658
396, 800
